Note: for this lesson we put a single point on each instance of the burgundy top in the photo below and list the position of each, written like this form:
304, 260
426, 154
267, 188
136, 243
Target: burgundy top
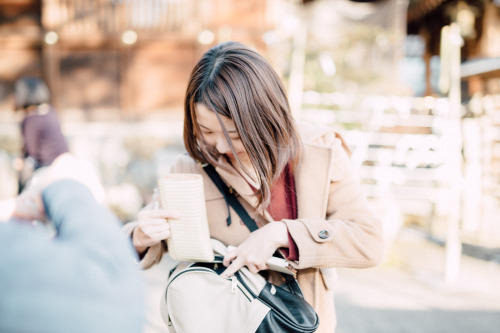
284, 206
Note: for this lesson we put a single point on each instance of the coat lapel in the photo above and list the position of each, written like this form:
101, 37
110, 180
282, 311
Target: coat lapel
312, 181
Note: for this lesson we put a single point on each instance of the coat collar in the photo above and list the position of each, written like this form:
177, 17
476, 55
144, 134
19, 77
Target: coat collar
311, 181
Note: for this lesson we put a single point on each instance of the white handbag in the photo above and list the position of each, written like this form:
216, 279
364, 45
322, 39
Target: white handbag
197, 299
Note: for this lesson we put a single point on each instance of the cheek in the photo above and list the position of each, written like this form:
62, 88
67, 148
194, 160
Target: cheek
238, 146
209, 140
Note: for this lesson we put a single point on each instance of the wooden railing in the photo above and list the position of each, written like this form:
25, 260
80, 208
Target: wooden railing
400, 146
110, 18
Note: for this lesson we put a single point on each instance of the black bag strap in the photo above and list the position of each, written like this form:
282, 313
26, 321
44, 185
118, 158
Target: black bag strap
230, 198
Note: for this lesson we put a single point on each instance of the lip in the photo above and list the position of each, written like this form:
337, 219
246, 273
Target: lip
231, 155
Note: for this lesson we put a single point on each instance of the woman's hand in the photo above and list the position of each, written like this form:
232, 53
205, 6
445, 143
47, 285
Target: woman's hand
29, 206
152, 227
26, 207
256, 250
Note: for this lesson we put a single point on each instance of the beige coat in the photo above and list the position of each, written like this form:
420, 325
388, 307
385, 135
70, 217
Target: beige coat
335, 226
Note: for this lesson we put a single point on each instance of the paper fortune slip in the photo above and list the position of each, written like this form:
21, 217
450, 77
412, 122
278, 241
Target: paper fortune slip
189, 234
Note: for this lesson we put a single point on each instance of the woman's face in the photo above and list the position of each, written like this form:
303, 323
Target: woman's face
214, 136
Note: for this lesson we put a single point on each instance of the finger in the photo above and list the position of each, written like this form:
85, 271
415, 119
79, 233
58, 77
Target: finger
160, 236
164, 213
147, 240
164, 235
253, 269
230, 256
154, 229
160, 213
153, 222
262, 267
233, 268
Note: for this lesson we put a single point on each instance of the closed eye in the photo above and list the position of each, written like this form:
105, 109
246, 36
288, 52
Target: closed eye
233, 135
206, 132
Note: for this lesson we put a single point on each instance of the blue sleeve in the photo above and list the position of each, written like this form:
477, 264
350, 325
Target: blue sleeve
87, 266
84, 222
74, 211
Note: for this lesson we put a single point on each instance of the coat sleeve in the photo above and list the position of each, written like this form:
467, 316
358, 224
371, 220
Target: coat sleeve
153, 254
349, 235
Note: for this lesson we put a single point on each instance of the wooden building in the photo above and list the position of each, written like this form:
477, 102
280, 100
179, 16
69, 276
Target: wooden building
117, 59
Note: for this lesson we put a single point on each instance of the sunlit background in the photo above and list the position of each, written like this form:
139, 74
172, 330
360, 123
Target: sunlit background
413, 85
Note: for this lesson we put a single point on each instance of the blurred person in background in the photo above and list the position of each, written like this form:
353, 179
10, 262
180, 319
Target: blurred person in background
43, 140
295, 180
76, 279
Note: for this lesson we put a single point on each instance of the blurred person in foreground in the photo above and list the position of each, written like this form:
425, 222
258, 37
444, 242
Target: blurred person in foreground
295, 180
43, 140
78, 280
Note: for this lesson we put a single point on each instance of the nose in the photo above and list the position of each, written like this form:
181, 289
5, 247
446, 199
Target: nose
222, 145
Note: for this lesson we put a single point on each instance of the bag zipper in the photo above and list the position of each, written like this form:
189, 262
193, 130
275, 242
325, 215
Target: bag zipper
235, 283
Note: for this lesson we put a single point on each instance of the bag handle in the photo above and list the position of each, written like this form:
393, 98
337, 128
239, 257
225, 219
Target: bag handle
230, 198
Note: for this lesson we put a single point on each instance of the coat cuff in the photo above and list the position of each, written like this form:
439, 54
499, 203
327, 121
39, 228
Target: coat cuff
317, 233
152, 255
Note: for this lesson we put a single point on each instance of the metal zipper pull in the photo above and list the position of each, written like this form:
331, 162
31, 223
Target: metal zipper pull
234, 284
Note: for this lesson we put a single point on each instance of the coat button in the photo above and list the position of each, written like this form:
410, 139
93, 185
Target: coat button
323, 234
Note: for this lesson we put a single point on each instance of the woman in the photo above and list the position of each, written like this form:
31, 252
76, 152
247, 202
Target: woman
296, 183
40, 128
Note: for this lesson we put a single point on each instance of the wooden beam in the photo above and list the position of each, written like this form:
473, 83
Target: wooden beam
483, 68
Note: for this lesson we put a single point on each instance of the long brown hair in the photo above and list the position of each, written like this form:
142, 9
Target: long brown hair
236, 82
